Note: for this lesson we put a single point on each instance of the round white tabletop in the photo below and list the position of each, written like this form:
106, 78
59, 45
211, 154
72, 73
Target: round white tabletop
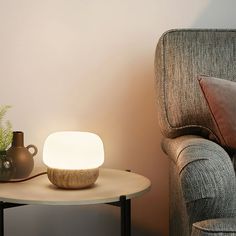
110, 185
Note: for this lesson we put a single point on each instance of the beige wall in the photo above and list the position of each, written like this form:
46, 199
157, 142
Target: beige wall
88, 65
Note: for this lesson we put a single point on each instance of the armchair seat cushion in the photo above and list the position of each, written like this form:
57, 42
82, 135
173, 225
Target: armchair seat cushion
219, 227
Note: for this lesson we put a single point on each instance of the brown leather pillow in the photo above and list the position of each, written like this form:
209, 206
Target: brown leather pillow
220, 95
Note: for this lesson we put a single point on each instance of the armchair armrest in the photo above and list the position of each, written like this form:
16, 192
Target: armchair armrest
206, 177
221, 226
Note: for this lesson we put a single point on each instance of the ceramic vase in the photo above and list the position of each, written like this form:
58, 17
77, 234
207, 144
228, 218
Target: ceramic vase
7, 169
21, 156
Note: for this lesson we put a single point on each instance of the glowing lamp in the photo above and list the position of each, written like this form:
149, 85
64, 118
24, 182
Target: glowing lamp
73, 158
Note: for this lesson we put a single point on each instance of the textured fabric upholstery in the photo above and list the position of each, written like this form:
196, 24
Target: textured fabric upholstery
181, 56
220, 227
206, 177
202, 177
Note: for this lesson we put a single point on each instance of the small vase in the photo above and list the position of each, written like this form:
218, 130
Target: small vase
7, 169
22, 158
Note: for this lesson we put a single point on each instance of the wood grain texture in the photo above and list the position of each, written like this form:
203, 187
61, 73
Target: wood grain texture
72, 179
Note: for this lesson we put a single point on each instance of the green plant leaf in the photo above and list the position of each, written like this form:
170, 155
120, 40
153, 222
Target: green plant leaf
6, 132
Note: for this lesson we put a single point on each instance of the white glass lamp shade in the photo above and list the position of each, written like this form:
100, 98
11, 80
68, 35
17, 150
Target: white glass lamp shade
73, 158
73, 150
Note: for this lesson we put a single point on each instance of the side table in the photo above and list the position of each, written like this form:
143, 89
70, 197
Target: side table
115, 187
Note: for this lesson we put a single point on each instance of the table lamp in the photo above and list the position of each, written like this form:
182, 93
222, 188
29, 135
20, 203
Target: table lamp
73, 158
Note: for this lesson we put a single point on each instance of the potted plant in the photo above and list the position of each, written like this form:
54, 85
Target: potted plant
6, 134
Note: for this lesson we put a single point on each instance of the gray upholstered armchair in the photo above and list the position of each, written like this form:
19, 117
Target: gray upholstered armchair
202, 177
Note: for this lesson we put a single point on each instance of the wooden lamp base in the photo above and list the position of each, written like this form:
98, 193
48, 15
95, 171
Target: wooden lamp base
72, 179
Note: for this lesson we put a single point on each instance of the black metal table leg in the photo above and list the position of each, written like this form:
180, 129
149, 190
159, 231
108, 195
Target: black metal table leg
125, 206
125, 209
128, 217
1, 219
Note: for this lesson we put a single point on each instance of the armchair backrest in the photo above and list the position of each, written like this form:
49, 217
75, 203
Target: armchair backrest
181, 56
